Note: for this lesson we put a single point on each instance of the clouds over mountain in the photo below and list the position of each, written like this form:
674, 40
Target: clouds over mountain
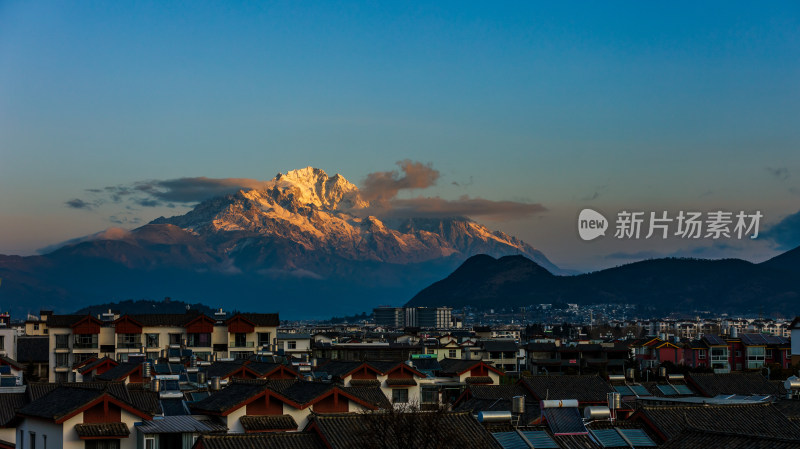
381, 189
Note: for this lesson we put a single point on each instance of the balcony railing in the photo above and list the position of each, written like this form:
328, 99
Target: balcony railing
242, 344
92, 345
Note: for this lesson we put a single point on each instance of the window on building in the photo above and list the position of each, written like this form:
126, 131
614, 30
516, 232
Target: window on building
85, 341
33, 440
21, 438
264, 339
701, 354
62, 359
36, 326
399, 395
44, 441
149, 443
2, 342
240, 340
151, 340
62, 341
291, 344
430, 395
129, 341
769, 353
738, 353
719, 354
175, 339
452, 354
199, 340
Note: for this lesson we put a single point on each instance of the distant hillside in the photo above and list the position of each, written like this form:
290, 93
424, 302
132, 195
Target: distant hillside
658, 286
144, 307
788, 261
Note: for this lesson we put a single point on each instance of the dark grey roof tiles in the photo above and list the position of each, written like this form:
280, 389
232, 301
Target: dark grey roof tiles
99, 430
733, 383
268, 423
279, 440
592, 388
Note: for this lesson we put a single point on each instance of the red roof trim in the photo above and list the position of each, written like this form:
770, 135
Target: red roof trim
480, 362
203, 317
89, 318
401, 366
127, 318
111, 399
239, 317
364, 365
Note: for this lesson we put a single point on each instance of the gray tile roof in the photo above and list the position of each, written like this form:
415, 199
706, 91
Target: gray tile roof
119, 372
585, 389
9, 404
698, 438
441, 430
733, 383
760, 420
279, 440
60, 402
229, 397
268, 422
115, 429
370, 395
181, 424
37, 390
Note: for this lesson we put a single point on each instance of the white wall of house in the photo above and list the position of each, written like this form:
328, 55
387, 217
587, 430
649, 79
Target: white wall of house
795, 342
234, 425
8, 338
41, 427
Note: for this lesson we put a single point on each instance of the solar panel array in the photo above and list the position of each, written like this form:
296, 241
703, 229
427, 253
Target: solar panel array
624, 390
715, 340
513, 440
632, 390
667, 390
672, 390
565, 421
638, 437
609, 438
614, 438
540, 438
510, 440
762, 339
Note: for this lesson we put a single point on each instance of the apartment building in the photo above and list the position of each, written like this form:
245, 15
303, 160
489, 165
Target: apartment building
73, 339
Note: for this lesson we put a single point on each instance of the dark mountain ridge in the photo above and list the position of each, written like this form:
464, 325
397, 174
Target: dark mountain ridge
658, 285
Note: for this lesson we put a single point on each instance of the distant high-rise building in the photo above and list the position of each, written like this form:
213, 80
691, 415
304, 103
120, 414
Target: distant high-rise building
425, 317
390, 316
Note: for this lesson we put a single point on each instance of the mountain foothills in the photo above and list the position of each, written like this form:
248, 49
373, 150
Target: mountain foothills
656, 286
305, 244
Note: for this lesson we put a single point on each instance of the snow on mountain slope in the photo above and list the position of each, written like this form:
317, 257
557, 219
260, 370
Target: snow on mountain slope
308, 216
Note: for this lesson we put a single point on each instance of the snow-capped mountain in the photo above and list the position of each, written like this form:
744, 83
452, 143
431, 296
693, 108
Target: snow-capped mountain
303, 243
311, 215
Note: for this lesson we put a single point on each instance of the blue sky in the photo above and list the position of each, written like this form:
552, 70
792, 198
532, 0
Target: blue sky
605, 105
